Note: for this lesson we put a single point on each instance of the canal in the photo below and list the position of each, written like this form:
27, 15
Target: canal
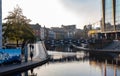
73, 62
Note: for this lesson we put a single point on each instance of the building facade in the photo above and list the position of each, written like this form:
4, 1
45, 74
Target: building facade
42, 33
51, 34
70, 31
111, 18
117, 15
59, 33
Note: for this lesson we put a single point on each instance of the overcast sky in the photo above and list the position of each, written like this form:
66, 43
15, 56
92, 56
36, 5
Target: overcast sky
54, 13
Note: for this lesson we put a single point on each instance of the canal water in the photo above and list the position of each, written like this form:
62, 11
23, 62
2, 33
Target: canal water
66, 61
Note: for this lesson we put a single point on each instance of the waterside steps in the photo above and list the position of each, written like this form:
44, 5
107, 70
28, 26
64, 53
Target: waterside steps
114, 47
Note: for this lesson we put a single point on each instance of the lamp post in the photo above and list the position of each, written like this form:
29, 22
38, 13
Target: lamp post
0, 24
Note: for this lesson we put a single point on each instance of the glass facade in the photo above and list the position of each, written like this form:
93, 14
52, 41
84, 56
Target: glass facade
108, 15
117, 19
111, 17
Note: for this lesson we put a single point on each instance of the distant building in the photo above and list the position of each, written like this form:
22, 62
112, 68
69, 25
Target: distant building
63, 32
42, 33
47, 33
37, 30
59, 32
78, 34
69, 27
70, 30
51, 34
87, 28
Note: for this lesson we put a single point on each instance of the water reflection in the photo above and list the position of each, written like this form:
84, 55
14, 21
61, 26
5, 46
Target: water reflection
63, 48
32, 73
70, 57
78, 64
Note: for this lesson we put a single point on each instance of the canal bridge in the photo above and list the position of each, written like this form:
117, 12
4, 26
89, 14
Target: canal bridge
64, 41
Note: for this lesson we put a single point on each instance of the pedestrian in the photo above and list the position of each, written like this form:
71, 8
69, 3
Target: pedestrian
30, 47
31, 55
31, 71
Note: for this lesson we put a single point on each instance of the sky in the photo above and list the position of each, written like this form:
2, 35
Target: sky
54, 13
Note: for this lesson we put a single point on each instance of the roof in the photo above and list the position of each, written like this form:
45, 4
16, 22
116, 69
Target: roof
35, 26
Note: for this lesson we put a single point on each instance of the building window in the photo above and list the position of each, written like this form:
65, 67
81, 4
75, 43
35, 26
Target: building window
117, 20
108, 15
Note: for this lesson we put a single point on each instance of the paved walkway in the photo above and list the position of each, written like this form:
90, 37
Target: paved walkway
24, 66
40, 57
